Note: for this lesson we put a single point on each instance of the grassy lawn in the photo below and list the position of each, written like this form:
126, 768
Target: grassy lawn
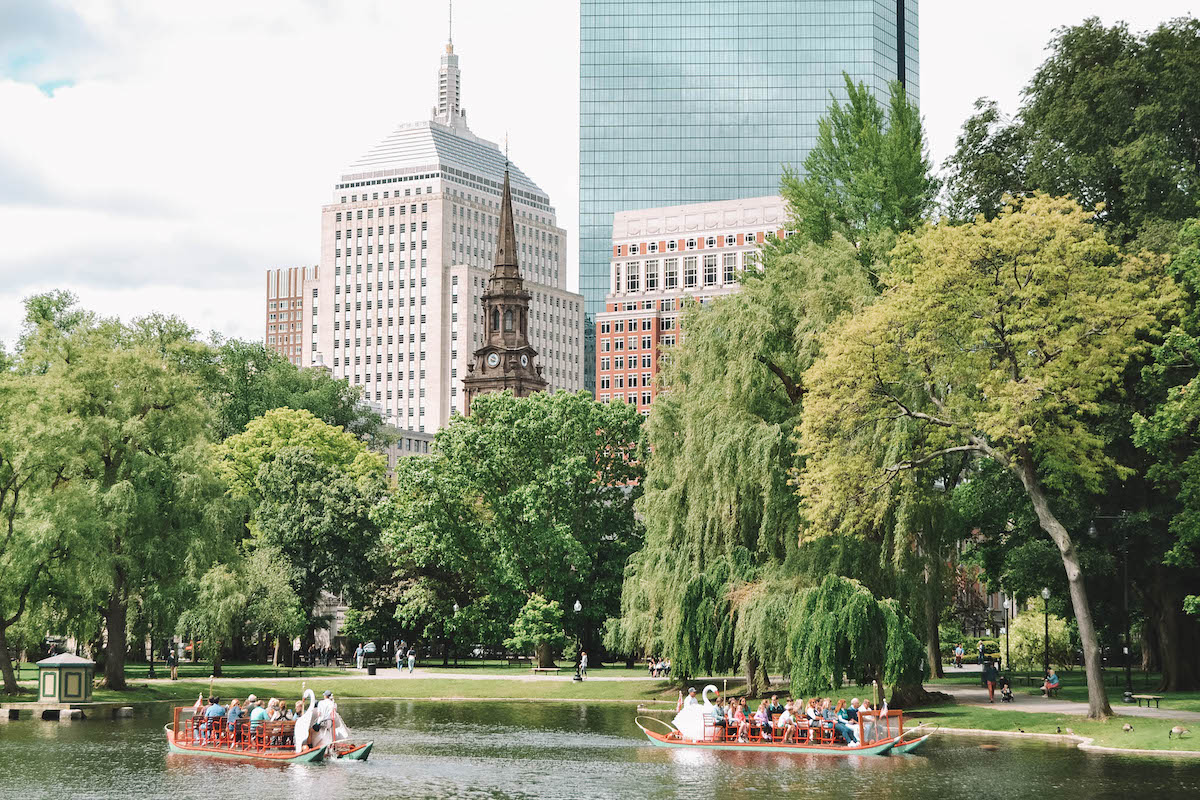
1074, 687
185, 691
1147, 734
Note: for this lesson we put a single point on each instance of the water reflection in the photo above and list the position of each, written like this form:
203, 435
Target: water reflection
561, 750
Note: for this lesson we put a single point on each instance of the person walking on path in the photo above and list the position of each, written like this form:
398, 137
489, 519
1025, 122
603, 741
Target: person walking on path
358, 655
173, 662
400, 658
583, 665
990, 677
412, 659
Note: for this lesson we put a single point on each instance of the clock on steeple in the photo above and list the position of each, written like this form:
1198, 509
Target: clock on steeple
506, 360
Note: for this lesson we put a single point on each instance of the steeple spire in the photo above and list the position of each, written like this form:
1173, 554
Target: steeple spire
505, 265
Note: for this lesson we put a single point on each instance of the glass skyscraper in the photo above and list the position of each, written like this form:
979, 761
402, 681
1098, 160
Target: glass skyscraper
685, 101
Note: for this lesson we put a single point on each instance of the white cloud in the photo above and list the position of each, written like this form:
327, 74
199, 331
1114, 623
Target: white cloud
194, 143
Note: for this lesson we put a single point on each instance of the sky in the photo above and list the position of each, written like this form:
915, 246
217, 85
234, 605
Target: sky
159, 155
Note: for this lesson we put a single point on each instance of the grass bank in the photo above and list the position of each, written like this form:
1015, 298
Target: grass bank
416, 688
1147, 733
1074, 687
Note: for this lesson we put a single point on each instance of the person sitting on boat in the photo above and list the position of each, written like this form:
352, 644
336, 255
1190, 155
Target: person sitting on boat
762, 718
259, 714
842, 726
812, 712
737, 719
785, 726
718, 716
1050, 683
214, 716
774, 708
690, 700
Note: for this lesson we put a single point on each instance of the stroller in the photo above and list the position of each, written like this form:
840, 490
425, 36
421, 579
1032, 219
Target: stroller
1006, 694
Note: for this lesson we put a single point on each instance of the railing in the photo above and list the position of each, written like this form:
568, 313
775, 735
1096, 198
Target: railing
872, 727
256, 737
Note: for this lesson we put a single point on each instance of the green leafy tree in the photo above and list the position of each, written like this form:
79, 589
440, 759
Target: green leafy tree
1027, 640
218, 612
868, 177
526, 496
1171, 434
141, 484
995, 339
839, 630
245, 380
538, 629
1110, 118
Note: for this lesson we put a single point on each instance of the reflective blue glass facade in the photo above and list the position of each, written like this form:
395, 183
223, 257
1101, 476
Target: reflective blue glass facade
685, 101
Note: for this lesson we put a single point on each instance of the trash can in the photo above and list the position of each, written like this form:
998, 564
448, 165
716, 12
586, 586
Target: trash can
371, 669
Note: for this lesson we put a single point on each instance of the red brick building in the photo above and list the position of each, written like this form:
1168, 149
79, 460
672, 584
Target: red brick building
660, 258
285, 311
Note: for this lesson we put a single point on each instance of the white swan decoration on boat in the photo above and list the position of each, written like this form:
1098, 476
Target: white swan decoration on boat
303, 728
690, 719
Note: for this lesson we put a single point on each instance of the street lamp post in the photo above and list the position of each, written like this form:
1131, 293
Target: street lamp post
1007, 635
1046, 639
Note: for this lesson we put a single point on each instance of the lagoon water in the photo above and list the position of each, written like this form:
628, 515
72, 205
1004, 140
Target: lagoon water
553, 750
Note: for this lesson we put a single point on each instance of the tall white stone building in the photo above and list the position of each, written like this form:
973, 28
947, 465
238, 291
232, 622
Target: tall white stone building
406, 248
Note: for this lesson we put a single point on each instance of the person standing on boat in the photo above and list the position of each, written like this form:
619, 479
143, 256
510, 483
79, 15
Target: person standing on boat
691, 700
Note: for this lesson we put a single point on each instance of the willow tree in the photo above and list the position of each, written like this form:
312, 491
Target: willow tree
839, 631
994, 339
717, 502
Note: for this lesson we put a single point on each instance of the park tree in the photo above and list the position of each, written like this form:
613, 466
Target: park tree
1111, 118
35, 442
1170, 434
538, 629
838, 630
218, 612
995, 339
1035, 637
245, 380
867, 178
309, 489
526, 496
141, 483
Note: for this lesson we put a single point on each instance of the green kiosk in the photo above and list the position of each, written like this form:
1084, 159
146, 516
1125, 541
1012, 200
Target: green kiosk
65, 678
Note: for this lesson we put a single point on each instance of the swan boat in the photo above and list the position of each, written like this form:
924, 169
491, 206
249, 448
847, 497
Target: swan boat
879, 733
267, 742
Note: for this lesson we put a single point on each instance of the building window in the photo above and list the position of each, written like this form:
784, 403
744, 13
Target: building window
651, 276
671, 246
730, 264
710, 242
710, 270
689, 272
671, 273
653, 247
604, 364
632, 275
691, 244
645, 342
646, 398
633, 249
730, 240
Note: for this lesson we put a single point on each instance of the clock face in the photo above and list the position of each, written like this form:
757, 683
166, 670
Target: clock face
524, 360
493, 359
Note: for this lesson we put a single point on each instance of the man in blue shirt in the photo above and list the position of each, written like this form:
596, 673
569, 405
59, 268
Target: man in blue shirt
213, 715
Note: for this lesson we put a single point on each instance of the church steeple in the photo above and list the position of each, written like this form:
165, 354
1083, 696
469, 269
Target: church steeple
506, 360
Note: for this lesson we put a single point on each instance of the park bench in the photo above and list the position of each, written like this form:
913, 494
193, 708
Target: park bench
517, 662
555, 670
1149, 698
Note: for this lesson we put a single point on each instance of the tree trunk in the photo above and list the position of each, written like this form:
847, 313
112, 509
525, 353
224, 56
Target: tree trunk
933, 638
1098, 707
115, 647
278, 647
216, 667
195, 655
766, 679
1149, 639
1177, 633
752, 687
544, 655
10, 677
260, 649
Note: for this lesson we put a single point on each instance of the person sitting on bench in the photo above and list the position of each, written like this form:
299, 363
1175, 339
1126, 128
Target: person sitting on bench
1051, 683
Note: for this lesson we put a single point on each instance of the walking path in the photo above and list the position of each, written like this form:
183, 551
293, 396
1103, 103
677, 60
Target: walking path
977, 696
